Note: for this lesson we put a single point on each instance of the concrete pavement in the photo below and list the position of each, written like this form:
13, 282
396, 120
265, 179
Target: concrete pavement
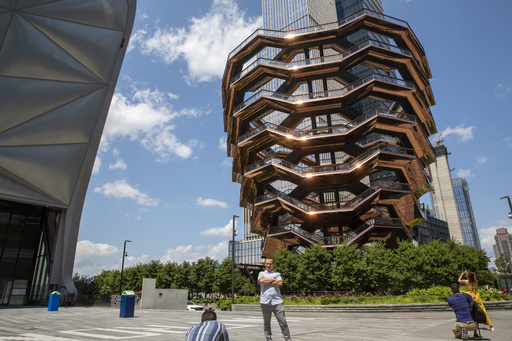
81, 323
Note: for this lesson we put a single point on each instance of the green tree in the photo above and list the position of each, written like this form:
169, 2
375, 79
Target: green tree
380, 263
348, 268
84, 284
437, 264
107, 282
502, 264
133, 276
223, 280
315, 269
202, 275
223, 277
182, 276
287, 264
404, 274
166, 278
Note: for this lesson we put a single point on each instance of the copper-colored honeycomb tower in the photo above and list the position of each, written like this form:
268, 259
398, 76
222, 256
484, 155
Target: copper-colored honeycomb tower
329, 137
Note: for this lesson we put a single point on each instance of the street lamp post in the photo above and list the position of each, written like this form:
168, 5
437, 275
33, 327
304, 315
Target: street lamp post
509, 205
122, 266
233, 263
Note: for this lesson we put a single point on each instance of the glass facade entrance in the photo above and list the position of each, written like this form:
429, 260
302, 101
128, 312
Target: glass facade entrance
23, 253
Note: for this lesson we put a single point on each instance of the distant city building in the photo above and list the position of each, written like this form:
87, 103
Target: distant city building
59, 64
467, 219
346, 8
430, 229
503, 246
247, 250
286, 15
443, 194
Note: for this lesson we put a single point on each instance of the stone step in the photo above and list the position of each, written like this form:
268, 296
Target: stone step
414, 307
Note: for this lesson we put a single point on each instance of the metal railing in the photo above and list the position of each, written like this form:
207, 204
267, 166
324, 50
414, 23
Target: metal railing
301, 134
325, 27
309, 171
361, 228
294, 228
318, 60
334, 240
332, 205
301, 98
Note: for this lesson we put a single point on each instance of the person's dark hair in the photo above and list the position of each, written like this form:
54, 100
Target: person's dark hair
472, 277
208, 314
455, 288
270, 258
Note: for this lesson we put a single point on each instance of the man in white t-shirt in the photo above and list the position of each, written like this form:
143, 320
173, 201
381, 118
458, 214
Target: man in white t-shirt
271, 301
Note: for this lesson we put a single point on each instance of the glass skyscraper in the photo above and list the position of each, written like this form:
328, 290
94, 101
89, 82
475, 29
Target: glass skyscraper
345, 8
503, 246
467, 219
444, 201
285, 15
248, 250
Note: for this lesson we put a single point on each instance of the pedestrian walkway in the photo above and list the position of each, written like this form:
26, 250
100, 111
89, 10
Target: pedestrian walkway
95, 324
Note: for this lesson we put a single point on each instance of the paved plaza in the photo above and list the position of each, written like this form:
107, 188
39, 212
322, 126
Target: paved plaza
36, 323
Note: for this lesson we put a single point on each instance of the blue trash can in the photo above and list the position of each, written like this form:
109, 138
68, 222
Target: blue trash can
53, 303
127, 304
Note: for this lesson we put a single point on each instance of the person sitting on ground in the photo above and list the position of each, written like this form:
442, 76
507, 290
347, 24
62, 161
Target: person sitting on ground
208, 330
460, 305
471, 287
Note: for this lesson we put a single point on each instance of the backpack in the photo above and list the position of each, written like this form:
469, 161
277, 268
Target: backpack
476, 312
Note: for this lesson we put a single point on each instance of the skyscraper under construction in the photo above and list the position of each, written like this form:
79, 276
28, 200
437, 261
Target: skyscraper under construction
328, 122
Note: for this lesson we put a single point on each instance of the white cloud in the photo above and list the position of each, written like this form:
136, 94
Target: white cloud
146, 116
97, 165
120, 164
465, 133
508, 141
204, 44
192, 253
141, 210
89, 257
227, 163
211, 202
464, 173
120, 189
480, 160
222, 143
502, 91
225, 231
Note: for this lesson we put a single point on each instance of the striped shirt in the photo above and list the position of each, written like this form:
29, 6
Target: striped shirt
207, 331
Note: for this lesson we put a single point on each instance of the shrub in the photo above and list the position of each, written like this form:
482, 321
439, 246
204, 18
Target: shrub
493, 295
441, 292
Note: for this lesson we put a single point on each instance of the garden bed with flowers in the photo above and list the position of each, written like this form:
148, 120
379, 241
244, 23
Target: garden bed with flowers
437, 294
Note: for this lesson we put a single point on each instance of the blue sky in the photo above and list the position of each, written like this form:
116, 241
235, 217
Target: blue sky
162, 178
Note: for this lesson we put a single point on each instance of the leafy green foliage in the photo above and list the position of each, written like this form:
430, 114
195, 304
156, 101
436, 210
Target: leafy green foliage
379, 265
84, 284
348, 268
315, 269
442, 292
287, 263
493, 295
318, 269
502, 264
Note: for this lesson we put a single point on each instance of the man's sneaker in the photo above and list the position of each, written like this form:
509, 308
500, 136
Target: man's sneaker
464, 334
492, 328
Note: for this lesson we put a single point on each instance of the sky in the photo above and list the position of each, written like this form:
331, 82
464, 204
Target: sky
162, 178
